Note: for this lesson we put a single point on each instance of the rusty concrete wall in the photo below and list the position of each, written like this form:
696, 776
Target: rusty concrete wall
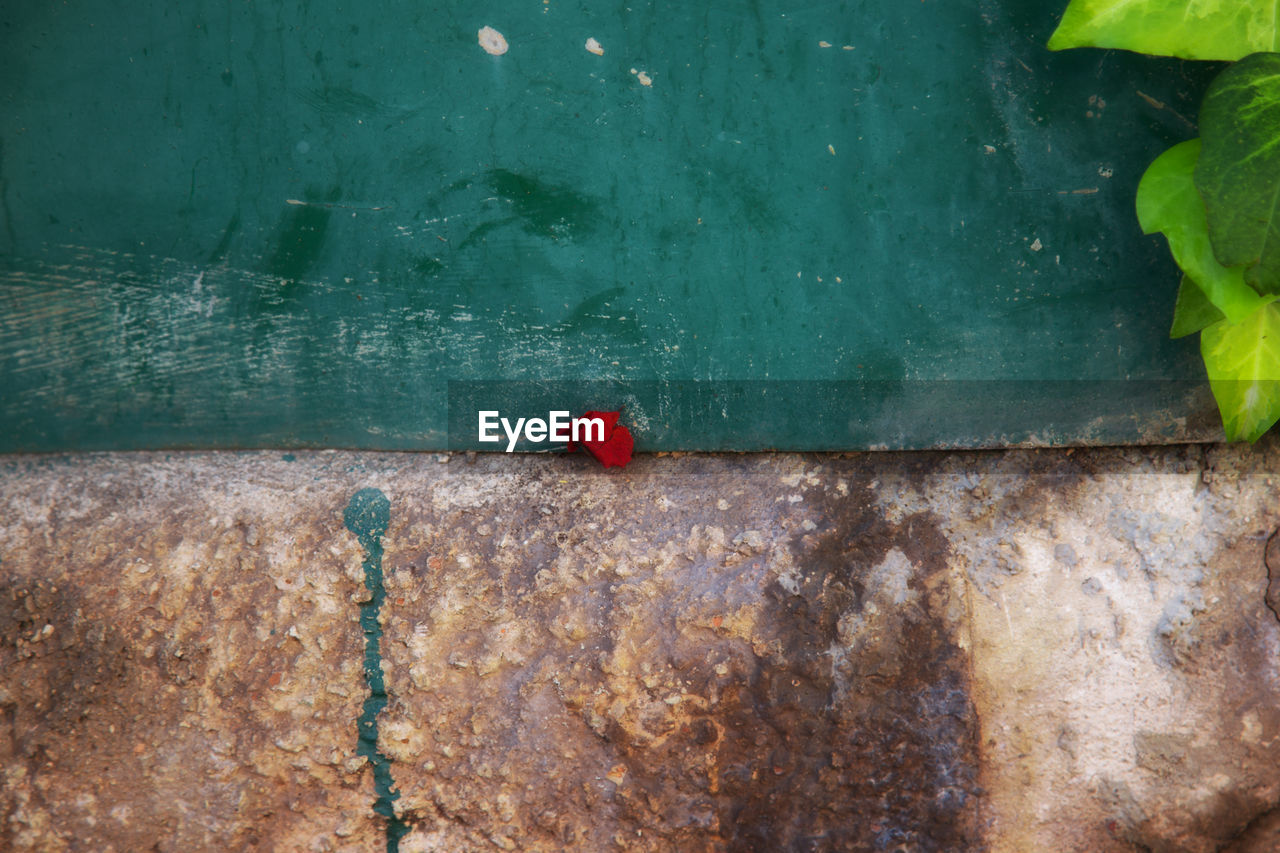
1066, 651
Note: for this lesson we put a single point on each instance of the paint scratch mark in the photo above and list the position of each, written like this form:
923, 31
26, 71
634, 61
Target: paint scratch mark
1161, 105
333, 205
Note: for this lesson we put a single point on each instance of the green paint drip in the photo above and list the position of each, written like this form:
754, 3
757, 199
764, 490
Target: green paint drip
367, 516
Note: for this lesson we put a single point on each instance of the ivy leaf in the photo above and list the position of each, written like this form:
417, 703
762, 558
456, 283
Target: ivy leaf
1238, 173
1193, 310
1205, 29
1243, 360
1168, 203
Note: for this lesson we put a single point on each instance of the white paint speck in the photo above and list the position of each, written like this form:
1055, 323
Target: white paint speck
492, 41
824, 44
645, 79
595, 47
1037, 245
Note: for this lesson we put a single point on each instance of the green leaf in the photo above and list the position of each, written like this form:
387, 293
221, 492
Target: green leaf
1243, 361
1168, 203
1191, 29
1238, 173
1193, 310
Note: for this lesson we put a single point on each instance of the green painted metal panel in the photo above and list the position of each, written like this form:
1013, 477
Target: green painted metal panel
756, 224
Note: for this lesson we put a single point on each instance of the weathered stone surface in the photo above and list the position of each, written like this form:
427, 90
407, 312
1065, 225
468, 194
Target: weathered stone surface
1007, 651
179, 658
1126, 666
700, 654
1261, 836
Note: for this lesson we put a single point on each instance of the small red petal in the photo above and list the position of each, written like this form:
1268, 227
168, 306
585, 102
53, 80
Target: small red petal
617, 446
615, 450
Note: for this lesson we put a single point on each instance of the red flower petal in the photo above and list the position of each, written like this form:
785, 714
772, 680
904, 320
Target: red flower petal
618, 444
616, 450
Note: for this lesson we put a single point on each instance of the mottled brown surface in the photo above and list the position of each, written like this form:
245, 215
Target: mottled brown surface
1261, 836
179, 665
1001, 651
734, 654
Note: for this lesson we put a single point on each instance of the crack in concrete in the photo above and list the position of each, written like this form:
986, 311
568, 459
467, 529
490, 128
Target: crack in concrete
367, 516
1271, 597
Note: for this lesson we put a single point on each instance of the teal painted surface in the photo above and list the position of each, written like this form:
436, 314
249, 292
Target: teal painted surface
239, 225
367, 516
